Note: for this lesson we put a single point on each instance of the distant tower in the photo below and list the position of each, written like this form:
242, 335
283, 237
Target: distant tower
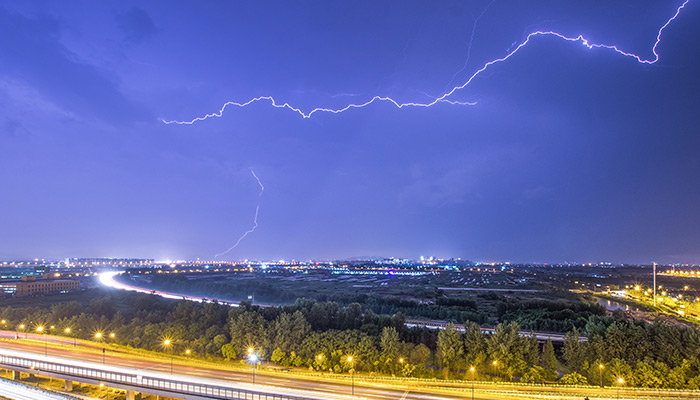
654, 284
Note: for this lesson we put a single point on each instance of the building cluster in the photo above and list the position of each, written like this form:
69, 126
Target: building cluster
41, 282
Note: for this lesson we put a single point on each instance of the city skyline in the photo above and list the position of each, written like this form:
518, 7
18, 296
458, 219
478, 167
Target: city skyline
559, 152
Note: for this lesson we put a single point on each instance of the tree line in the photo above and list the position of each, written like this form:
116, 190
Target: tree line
321, 335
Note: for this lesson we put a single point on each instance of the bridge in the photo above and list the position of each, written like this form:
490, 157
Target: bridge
140, 381
541, 336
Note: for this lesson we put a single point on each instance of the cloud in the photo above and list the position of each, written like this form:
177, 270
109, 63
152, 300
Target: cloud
13, 128
34, 55
437, 189
137, 25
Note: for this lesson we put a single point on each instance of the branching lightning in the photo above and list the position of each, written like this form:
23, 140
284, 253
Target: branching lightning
255, 219
471, 40
444, 97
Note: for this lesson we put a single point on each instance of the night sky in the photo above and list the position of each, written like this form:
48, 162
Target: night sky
569, 154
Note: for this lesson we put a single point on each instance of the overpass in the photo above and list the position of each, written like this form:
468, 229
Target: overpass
541, 336
142, 381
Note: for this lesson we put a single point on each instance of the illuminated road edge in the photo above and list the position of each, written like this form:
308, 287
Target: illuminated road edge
139, 380
107, 279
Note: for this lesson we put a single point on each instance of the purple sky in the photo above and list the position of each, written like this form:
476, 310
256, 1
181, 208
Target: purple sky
570, 154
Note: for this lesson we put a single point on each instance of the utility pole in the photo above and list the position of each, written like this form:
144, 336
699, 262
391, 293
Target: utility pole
654, 284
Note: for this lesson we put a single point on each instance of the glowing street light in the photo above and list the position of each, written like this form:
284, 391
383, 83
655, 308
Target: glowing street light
473, 371
168, 343
352, 374
600, 369
41, 329
620, 382
99, 337
67, 331
253, 358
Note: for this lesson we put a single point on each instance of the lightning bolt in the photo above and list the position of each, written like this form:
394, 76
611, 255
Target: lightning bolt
471, 40
444, 97
255, 219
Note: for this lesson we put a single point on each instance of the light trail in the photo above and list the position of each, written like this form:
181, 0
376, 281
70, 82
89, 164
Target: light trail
255, 219
444, 97
18, 391
107, 279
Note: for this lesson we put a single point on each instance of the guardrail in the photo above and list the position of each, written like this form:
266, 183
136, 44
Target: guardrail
77, 373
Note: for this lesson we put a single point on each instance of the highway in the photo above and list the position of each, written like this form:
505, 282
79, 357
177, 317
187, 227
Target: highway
315, 386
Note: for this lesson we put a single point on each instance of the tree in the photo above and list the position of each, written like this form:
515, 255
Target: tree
248, 330
573, 378
419, 354
620, 369
390, 347
474, 344
289, 331
228, 351
449, 346
534, 374
549, 361
573, 350
508, 349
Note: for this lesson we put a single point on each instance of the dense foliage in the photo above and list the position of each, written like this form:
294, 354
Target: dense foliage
548, 316
321, 335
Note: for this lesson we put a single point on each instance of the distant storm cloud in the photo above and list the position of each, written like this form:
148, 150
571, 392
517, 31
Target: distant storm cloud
137, 25
33, 54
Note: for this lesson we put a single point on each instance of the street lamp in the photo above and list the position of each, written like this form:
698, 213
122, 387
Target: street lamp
352, 374
98, 337
68, 331
252, 357
621, 382
41, 329
600, 369
168, 343
319, 360
21, 326
473, 371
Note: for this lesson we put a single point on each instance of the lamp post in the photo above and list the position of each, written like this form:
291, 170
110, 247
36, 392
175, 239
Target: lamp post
21, 326
600, 369
252, 357
41, 329
473, 371
68, 331
621, 382
352, 374
319, 360
99, 337
495, 367
168, 343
